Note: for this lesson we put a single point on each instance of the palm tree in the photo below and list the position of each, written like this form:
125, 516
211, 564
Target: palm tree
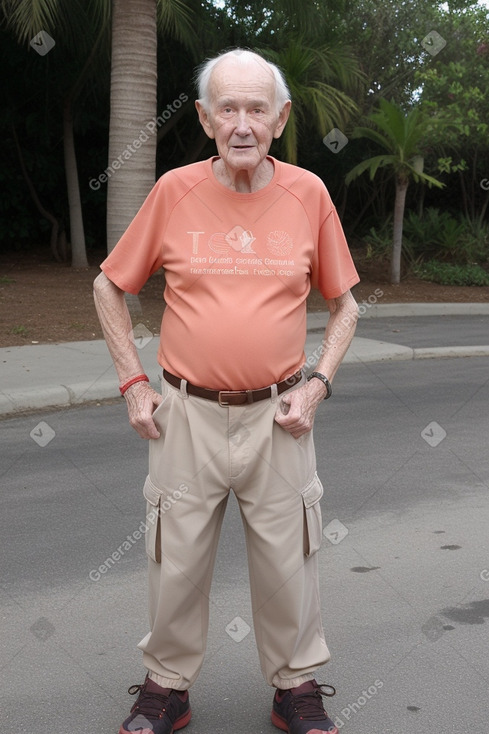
133, 89
314, 74
401, 135
133, 102
78, 38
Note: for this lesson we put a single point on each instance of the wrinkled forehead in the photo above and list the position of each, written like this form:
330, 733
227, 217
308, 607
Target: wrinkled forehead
232, 78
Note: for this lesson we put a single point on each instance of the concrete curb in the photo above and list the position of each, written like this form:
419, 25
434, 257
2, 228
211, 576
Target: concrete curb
397, 310
55, 396
450, 352
315, 319
362, 351
73, 373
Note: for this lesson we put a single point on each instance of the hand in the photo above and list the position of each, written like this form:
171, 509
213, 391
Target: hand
297, 409
142, 401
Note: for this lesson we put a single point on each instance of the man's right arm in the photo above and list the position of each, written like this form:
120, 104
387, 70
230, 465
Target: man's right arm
116, 324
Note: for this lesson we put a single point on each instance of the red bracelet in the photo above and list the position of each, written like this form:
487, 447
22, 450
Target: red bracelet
127, 385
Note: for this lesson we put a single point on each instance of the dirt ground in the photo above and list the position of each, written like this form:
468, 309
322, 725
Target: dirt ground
43, 301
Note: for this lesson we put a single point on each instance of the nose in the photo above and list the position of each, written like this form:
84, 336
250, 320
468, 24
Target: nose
242, 124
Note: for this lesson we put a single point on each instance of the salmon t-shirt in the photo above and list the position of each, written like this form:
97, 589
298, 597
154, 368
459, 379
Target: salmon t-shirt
238, 269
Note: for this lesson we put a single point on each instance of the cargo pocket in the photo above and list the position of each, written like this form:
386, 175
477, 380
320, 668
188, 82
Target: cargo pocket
312, 516
153, 534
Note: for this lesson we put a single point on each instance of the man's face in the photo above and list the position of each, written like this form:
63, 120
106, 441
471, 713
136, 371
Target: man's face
242, 116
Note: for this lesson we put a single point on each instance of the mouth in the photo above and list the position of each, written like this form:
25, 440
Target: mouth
243, 147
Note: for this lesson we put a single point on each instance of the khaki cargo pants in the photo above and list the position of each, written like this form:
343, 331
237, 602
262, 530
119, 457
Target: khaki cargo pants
204, 451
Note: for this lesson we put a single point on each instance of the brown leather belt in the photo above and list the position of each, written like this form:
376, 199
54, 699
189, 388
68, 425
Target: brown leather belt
234, 397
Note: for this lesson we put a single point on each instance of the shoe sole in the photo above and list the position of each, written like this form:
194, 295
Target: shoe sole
179, 723
182, 721
279, 722
282, 724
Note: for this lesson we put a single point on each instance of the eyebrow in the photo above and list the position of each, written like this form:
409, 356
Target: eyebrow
229, 101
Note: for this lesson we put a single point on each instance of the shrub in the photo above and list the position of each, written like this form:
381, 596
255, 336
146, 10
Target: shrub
436, 235
379, 244
450, 274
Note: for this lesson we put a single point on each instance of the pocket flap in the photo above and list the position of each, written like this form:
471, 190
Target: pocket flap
151, 493
313, 492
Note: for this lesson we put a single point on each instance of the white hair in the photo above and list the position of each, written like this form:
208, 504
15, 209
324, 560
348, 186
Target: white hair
244, 58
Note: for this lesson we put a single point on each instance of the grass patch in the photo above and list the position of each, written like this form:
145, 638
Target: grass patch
20, 330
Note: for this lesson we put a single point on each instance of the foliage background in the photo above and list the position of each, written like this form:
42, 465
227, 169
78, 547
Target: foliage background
369, 50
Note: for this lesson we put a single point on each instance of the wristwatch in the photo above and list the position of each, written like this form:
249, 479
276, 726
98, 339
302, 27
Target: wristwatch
325, 381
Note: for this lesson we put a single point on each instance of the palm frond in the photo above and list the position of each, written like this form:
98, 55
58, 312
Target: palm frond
314, 76
27, 17
289, 138
331, 106
177, 19
75, 24
425, 178
372, 165
377, 137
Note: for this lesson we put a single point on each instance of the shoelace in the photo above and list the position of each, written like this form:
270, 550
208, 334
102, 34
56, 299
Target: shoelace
149, 704
309, 706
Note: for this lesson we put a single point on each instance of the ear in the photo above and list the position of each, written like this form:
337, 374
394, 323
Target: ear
204, 119
282, 119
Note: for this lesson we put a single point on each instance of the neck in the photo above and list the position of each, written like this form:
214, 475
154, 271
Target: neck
244, 181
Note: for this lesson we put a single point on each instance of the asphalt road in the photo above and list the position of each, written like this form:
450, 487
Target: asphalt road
427, 331
403, 454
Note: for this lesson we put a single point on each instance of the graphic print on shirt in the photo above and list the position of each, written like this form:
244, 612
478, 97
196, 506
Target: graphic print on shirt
240, 239
234, 248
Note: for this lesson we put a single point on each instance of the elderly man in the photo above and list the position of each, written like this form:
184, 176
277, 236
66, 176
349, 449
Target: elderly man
242, 238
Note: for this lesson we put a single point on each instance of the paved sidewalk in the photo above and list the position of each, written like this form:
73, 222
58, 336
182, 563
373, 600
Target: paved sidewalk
71, 373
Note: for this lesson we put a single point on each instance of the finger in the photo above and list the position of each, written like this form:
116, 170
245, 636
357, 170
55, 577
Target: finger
284, 420
147, 430
285, 405
157, 400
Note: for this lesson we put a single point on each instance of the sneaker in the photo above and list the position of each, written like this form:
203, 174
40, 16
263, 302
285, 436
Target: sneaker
157, 710
300, 710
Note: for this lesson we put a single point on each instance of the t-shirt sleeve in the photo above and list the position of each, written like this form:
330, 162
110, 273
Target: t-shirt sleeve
139, 252
334, 272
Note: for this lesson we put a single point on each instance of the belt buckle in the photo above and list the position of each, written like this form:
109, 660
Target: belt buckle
224, 404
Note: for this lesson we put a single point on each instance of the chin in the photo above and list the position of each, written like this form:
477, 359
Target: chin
250, 159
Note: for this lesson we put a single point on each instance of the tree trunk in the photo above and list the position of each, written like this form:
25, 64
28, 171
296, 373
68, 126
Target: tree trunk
399, 204
77, 234
421, 202
132, 145
465, 201
483, 210
55, 224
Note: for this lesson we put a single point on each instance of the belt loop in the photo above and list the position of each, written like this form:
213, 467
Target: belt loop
273, 392
183, 389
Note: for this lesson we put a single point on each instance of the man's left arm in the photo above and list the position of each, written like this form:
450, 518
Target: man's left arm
298, 417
